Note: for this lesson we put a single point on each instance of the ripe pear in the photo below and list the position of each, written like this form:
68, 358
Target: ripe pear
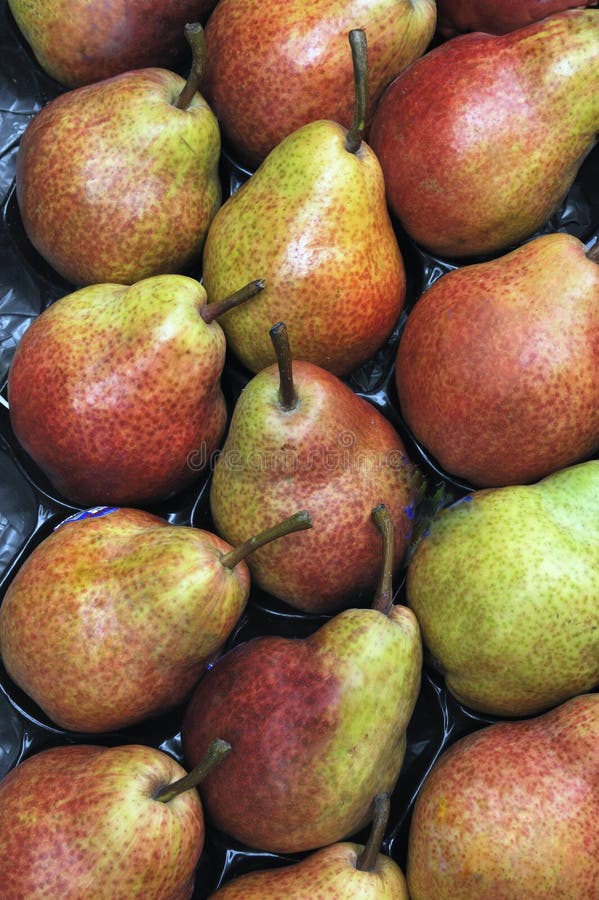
498, 365
317, 724
291, 60
118, 180
510, 812
313, 221
77, 42
106, 822
505, 587
496, 16
115, 393
342, 871
482, 137
113, 618
299, 434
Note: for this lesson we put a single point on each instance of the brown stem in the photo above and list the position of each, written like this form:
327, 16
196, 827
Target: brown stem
357, 41
215, 754
593, 253
383, 600
280, 340
214, 310
366, 861
195, 38
299, 521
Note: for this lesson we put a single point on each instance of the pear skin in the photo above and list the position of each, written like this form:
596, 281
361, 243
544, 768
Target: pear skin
316, 725
313, 222
496, 16
115, 390
482, 137
498, 365
334, 454
292, 62
113, 619
505, 586
511, 812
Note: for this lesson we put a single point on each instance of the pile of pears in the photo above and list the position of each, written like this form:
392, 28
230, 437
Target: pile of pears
313, 422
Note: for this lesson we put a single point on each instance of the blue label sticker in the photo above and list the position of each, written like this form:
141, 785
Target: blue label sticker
93, 513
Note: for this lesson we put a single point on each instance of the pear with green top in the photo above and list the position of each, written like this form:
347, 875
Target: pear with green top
118, 822
114, 617
317, 725
299, 434
312, 221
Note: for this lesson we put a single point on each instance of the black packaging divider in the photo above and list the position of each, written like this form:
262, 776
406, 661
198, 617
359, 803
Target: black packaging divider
30, 509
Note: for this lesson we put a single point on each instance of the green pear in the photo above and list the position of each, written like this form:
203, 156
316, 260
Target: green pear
498, 365
342, 871
105, 822
299, 434
114, 390
313, 221
291, 60
511, 812
77, 42
505, 586
482, 137
115, 616
317, 724
118, 180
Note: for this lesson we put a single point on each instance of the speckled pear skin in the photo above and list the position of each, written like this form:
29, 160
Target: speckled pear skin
317, 728
334, 455
498, 366
113, 619
326, 874
313, 222
482, 137
505, 587
511, 812
294, 64
78, 42
80, 820
115, 184
115, 392
496, 16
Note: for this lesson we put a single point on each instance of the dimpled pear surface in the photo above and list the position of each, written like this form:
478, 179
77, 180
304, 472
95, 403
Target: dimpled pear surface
506, 590
313, 222
316, 725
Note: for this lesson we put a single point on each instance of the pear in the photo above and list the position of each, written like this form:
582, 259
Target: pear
511, 812
482, 137
118, 180
111, 823
496, 16
78, 43
114, 390
343, 871
313, 222
498, 365
291, 60
505, 587
317, 724
299, 434
115, 616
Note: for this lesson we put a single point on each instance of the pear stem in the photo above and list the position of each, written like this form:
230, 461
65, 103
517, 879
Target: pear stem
383, 600
280, 340
366, 861
215, 754
299, 521
213, 310
357, 41
196, 40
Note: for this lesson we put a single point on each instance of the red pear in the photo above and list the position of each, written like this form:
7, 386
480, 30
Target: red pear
497, 16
